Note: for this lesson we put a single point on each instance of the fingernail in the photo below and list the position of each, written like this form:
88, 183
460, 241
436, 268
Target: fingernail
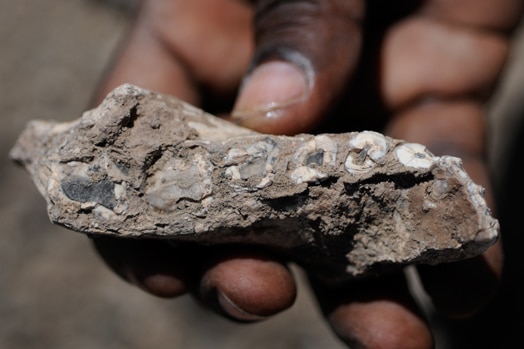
269, 89
160, 284
235, 311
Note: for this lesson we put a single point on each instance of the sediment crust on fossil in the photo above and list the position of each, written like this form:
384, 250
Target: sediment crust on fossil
147, 165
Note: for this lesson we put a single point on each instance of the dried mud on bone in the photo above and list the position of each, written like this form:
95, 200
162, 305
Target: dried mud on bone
147, 165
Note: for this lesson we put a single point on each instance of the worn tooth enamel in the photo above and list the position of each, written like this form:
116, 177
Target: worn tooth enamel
179, 179
235, 156
306, 174
312, 154
414, 155
233, 173
329, 148
366, 148
374, 144
344, 205
254, 161
303, 150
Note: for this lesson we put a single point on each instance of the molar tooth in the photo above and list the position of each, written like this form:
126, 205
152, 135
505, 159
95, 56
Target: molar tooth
414, 155
329, 147
367, 148
179, 179
254, 161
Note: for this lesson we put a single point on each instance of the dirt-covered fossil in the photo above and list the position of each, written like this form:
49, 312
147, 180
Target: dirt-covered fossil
146, 165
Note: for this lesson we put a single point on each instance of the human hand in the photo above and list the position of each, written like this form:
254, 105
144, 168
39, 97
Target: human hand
419, 71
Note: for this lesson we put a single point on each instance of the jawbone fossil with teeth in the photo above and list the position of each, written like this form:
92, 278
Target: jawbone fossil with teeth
146, 165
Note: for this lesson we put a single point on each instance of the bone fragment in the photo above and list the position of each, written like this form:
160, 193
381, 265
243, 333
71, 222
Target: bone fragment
146, 165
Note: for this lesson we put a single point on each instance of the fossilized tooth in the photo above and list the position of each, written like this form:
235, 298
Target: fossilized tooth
145, 165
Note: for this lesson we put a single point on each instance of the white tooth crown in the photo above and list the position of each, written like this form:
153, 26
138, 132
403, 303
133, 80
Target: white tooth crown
366, 150
414, 155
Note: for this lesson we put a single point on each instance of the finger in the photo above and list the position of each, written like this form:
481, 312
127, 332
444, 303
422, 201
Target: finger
184, 49
143, 60
448, 49
455, 128
375, 313
461, 289
468, 42
152, 265
246, 286
305, 53
491, 15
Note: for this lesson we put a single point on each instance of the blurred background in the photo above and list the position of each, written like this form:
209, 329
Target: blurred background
54, 290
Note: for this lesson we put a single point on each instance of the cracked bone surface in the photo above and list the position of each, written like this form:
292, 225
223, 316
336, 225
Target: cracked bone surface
147, 165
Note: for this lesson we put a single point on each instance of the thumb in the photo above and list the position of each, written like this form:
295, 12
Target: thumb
306, 52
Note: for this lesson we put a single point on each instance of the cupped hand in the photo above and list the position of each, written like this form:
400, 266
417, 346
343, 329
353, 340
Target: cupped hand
415, 70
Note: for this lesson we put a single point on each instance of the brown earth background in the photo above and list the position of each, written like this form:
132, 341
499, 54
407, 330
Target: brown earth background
54, 290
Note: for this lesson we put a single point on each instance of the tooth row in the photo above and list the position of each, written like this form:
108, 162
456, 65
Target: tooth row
315, 158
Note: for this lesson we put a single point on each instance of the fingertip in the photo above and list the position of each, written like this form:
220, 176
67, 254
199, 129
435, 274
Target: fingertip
161, 284
270, 94
248, 288
461, 289
150, 265
306, 53
374, 313
380, 324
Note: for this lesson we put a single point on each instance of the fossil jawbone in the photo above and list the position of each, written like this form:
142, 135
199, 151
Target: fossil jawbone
146, 165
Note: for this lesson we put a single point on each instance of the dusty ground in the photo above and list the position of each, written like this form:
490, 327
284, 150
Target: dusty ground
56, 293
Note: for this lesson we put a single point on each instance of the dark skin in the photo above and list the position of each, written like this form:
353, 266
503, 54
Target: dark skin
416, 70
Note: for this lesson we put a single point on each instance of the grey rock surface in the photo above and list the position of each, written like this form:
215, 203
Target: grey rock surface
345, 205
